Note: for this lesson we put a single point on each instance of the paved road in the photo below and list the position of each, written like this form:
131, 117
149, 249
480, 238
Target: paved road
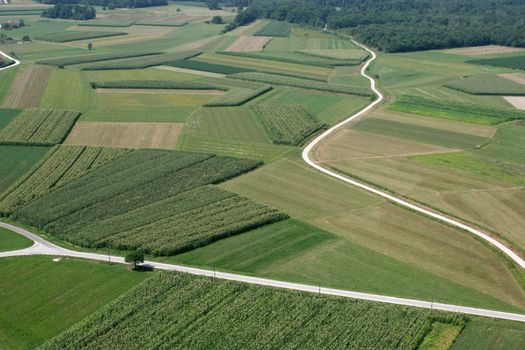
43, 247
436, 215
17, 62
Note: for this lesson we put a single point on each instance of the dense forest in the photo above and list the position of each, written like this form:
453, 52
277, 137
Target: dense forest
402, 25
110, 3
67, 11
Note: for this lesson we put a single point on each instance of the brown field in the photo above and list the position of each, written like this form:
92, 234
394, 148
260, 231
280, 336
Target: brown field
249, 43
366, 145
483, 50
127, 135
516, 101
517, 78
28, 87
191, 71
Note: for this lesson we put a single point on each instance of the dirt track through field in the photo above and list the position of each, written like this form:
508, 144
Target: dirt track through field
28, 87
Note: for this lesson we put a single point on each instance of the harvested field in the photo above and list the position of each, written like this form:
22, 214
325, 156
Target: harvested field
483, 50
517, 78
19, 95
516, 101
191, 71
128, 135
249, 43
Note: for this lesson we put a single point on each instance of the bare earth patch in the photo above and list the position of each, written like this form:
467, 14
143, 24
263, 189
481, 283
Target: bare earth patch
192, 71
28, 87
127, 135
517, 78
249, 43
516, 101
483, 50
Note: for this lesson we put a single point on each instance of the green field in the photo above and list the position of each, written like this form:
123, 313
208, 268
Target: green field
275, 28
12, 241
67, 36
15, 161
45, 297
181, 311
487, 85
514, 62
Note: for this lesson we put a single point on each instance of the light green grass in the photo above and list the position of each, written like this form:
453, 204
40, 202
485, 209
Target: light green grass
419, 133
68, 89
508, 145
487, 84
12, 241
441, 337
38, 27
6, 78
15, 161
489, 334
305, 43
44, 297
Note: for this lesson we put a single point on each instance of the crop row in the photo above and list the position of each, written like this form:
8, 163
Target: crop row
297, 58
39, 127
487, 84
70, 35
275, 28
61, 165
514, 62
162, 24
155, 84
287, 124
237, 97
275, 79
180, 311
207, 67
141, 201
66, 61
121, 23
469, 112
143, 62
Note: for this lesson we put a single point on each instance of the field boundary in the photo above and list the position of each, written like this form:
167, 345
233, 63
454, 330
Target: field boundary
43, 247
433, 214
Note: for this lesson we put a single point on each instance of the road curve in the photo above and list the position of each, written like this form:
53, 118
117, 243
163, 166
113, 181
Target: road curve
43, 247
17, 62
433, 214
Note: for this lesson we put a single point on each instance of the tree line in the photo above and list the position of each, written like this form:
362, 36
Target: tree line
70, 11
401, 25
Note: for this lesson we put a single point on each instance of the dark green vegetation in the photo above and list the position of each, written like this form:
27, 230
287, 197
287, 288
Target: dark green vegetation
155, 84
287, 124
12, 241
181, 311
302, 83
45, 298
207, 66
487, 84
4, 62
142, 62
38, 127
66, 61
237, 97
110, 3
489, 334
7, 115
70, 35
70, 11
61, 165
274, 28
150, 200
15, 161
297, 57
514, 62
468, 112
397, 26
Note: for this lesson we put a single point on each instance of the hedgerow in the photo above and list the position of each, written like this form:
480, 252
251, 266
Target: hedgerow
66, 61
237, 97
71, 35
173, 310
39, 127
275, 79
287, 124
144, 200
155, 84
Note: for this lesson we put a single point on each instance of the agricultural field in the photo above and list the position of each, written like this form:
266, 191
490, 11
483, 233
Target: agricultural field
487, 85
237, 97
249, 44
287, 124
67, 61
38, 127
303, 57
240, 316
513, 62
15, 161
125, 135
275, 28
70, 35
18, 95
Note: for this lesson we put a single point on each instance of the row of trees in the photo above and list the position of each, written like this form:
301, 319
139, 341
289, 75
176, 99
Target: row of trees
67, 11
402, 25
110, 3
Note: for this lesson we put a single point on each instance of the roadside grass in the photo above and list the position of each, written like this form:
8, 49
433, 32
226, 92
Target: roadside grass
366, 222
15, 161
12, 241
45, 298
483, 333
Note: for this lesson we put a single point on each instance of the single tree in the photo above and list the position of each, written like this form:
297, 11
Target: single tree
216, 20
90, 46
26, 39
134, 259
